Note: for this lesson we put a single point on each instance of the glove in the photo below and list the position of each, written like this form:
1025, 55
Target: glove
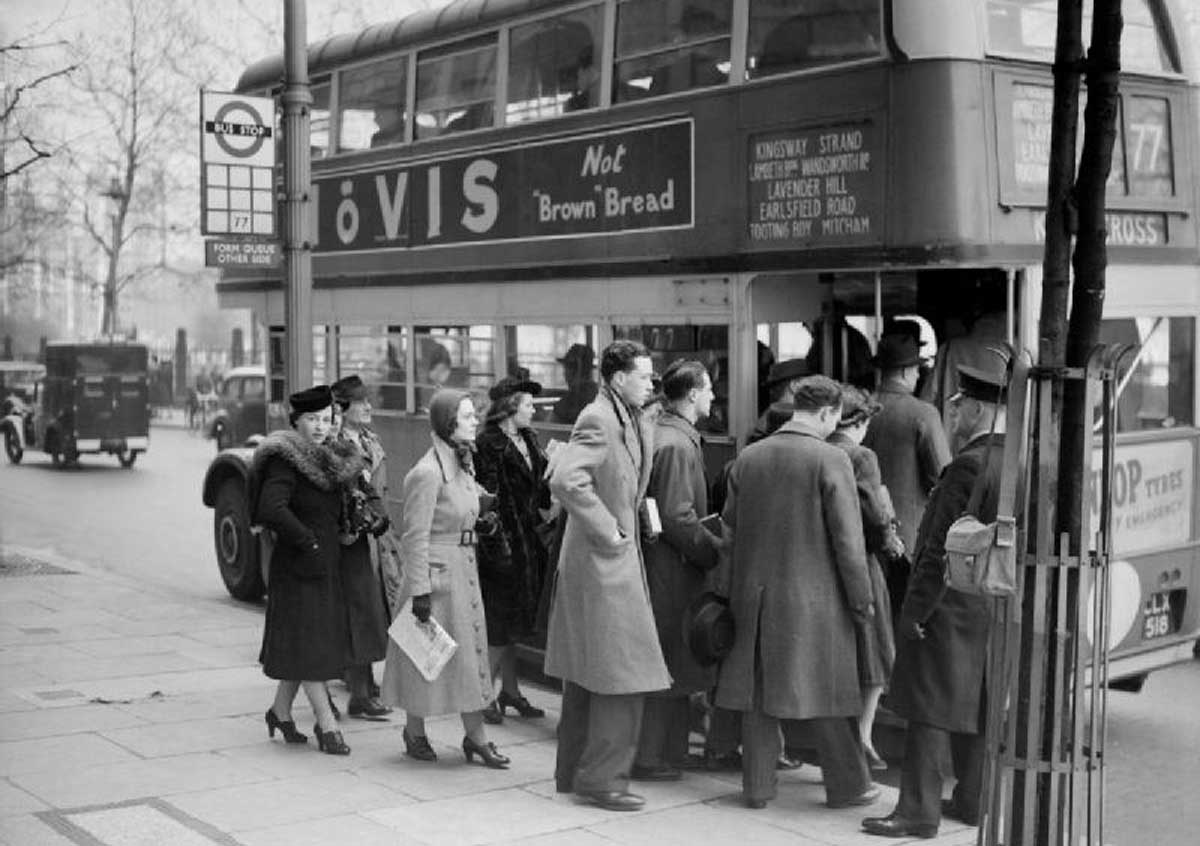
381, 526
911, 630
422, 607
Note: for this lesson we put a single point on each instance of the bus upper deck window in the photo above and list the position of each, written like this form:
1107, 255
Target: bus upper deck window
318, 127
553, 66
663, 48
371, 104
1027, 28
786, 35
456, 88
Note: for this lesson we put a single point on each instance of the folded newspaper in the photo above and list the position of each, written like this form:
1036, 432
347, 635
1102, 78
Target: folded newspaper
427, 645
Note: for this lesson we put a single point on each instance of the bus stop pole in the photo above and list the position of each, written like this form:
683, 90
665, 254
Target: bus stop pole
297, 181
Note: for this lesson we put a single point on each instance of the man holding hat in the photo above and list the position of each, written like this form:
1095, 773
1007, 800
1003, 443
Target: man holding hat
907, 435
799, 581
938, 679
676, 566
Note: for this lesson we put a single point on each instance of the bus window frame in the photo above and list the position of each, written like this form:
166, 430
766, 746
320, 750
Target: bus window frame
452, 49
1164, 26
1003, 80
409, 59
602, 56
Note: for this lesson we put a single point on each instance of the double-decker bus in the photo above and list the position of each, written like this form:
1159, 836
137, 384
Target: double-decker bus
505, 187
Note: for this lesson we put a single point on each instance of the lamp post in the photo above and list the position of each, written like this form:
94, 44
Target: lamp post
108, 320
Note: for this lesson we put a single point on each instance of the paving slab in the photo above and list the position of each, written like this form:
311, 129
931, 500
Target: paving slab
143, 824
121, 647
695, 825
344, 829
91, 669
157, 740
14, 800
50, 722
181, 707
496, 816
138, 779
28, 830
570, 837
59, 754
39, 654
283, 801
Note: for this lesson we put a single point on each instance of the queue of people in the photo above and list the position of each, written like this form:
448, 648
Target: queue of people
609, 547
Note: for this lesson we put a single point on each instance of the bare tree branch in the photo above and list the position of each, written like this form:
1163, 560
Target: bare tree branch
11, 105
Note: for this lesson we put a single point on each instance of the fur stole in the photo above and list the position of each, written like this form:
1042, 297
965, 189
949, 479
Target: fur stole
327, 466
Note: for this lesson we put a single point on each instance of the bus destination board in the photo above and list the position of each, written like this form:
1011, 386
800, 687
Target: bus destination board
815, 186
630, 179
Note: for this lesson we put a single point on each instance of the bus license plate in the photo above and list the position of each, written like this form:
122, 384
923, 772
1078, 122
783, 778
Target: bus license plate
1157, 619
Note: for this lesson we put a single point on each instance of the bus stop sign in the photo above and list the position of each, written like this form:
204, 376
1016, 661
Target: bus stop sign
237, 163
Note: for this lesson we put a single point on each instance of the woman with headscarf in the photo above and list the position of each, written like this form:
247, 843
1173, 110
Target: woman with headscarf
874, 638
301, 480
512, 558
366, 521
437, 554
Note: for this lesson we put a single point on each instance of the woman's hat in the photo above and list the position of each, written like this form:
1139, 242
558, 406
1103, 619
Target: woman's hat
316, 398
508, 386
708, 628
857, 406
349, 389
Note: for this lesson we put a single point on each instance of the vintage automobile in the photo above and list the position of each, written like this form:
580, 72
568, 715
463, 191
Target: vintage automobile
241, 407
94, 398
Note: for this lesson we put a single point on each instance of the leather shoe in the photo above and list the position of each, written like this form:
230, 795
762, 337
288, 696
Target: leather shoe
867, 797
754, 804
368, 709
951, 811
897, 826
657, 772
714, 762
612, 800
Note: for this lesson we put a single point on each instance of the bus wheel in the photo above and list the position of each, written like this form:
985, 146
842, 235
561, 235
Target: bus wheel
12, 446
127, 457
236, 547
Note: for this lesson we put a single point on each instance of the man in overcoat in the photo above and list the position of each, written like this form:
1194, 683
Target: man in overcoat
602, 641
938, 678
676, 565
907, 435
799, 580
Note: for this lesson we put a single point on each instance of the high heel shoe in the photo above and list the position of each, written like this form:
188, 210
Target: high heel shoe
418, 747
519, 704
331, 742
288, 727
487, 752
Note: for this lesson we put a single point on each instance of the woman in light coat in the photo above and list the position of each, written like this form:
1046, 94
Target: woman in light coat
441, 506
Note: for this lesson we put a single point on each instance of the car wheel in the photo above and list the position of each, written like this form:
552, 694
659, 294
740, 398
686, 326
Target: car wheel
222, 436
236, 547
12, 446
127, 457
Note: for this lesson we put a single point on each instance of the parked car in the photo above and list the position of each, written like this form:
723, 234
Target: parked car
241, 407
93, 398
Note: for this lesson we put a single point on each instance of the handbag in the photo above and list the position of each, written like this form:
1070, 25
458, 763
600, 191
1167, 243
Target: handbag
981, 558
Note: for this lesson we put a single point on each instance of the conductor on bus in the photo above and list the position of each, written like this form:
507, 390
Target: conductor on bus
602, 640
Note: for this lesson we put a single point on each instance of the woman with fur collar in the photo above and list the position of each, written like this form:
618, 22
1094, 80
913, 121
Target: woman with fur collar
302, 480
361, 552
512, 559
437, 557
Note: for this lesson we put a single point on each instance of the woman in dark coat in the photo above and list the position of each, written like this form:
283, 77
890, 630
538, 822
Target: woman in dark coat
873, 637
512, 560
367, 616
301, 481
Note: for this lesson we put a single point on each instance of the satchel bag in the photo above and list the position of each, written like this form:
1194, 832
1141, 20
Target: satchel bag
981, 558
